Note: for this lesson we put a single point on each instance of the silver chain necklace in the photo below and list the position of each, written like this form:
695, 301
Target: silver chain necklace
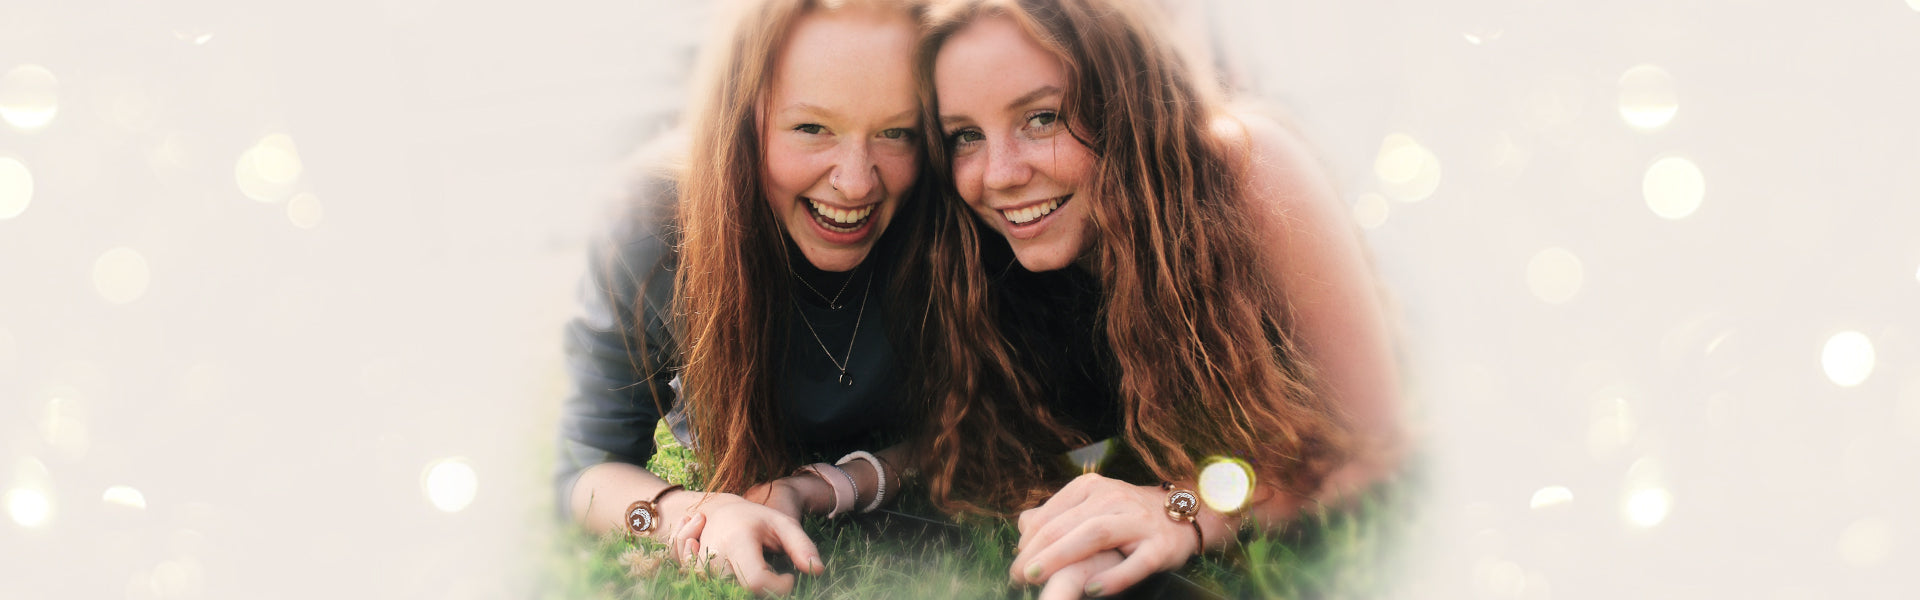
834, 302
845, 378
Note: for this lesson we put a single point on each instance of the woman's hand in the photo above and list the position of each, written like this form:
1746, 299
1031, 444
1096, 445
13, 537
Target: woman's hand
1070, 582
728, 533
1093, 514
784, 495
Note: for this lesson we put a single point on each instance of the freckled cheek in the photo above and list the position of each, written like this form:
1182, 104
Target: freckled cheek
966, 180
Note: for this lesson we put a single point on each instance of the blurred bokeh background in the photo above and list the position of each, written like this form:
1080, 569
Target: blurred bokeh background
281, 286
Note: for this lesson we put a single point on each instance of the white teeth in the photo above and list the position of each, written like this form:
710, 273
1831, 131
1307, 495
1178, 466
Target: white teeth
841, 216
1026, 215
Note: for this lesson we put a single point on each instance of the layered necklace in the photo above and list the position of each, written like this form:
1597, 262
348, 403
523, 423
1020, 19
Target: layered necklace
846, 379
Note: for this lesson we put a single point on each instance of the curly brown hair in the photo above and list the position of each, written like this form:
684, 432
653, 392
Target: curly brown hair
1197, 324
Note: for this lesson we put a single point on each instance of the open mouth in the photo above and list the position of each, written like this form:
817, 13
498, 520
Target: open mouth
840, 220
1032, 214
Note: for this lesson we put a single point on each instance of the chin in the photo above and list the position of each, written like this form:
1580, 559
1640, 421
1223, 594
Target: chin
1043, 258
836, 259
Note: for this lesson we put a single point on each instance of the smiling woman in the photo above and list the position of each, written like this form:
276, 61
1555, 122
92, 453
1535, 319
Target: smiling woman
748, 298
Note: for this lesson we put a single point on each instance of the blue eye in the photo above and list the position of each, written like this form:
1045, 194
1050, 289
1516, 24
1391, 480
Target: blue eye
809, 129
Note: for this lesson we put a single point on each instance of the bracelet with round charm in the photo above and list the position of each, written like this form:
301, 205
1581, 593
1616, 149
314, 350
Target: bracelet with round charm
644, 515
1183, 506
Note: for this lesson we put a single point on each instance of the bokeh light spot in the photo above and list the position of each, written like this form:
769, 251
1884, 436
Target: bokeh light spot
30, 507
1555, 275
121, 275
1408, 172
304, 210
125, 495
1549, 496
1866, 542
450, 484
64, 423
1647, 507
178, 578
268, 171
1647, 101
1673, 187
29, 97
1226, 484
1370, 210
16, 188
1847, 358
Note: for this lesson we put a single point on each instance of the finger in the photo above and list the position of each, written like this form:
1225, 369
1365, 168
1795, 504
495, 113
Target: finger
792, 541
1033, 545
1072, 495
1146, 560
1095, 535
689, 530
754, 574
1068, 583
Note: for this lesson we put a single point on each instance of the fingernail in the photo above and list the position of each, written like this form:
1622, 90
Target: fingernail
813, 563
1093, 589
1033, 572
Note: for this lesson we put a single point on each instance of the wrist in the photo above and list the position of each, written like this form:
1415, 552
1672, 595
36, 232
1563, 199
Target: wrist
813, 495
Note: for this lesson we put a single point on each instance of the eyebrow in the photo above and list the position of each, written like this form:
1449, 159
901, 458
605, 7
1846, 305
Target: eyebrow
1024, 99
825, 112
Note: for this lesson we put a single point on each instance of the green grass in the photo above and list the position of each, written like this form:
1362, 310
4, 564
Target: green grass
1347, 553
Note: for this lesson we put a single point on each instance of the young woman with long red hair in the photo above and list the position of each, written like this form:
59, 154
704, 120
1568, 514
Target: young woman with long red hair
1186, 283
758, 298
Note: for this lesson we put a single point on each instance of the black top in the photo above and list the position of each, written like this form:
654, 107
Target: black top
616, 400
1055, 323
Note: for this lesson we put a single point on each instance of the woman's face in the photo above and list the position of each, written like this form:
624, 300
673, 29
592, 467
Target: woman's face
839, 132
1014, 161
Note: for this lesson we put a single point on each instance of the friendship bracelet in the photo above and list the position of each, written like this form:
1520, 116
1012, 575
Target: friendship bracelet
845, 494
880, 495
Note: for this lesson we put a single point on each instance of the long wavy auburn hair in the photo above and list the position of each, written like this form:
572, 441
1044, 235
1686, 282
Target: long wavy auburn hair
731, 298
1197, 324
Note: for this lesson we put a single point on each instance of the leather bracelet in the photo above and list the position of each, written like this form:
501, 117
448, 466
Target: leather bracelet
880, 493
644, 515
844, 494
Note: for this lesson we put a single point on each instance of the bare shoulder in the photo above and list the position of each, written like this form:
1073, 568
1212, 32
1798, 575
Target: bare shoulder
1284, 184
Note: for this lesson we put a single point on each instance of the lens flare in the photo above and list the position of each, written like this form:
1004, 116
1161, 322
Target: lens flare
1673, 187
1226, 484
120, 275
1647, 507
450, 484
1555, 275
268, 171
1408, 172
1090, 457
1370, 210
127, 496
1647, 102
1848, 358
1866, 542
1550, 496
29, 97
304, 211
16, 188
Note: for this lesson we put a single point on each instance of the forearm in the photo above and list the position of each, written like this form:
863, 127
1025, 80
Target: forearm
603, 492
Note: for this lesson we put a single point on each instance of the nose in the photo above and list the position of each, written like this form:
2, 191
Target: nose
855, 175
1007, 167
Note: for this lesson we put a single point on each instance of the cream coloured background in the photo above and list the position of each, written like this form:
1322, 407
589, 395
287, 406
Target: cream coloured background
280, 286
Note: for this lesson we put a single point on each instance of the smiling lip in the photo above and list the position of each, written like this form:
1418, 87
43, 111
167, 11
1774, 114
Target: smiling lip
827, 221
1032, 217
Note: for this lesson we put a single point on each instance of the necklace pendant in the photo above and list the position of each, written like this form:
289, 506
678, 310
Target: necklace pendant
845, 379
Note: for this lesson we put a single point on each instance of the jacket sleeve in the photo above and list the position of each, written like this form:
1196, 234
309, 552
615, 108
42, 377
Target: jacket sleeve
621, 357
